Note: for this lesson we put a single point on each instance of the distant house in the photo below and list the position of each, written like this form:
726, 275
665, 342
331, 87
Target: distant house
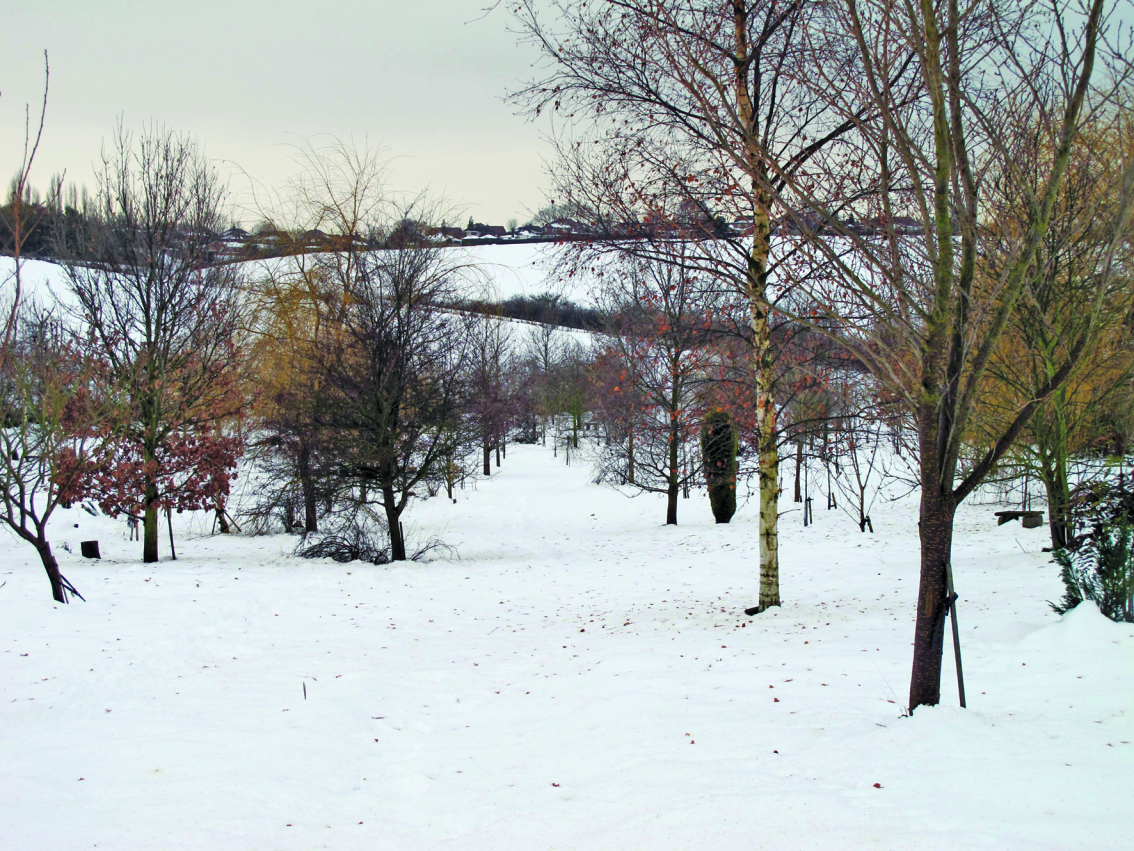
445, 234
903, 225
566, 227
482, 232
315, 239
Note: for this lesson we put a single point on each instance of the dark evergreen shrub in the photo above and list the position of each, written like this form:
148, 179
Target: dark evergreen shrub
1101, 570
1097, 506
718, 449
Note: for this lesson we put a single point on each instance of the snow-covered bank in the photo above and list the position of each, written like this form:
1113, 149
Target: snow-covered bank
581, 678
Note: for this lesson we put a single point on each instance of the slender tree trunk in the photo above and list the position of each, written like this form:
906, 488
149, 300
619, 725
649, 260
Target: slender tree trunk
1058, 489
497, 454
487, 457
768, 461
222, 518
169, 525
769, 528
393, 520
1052, 439
150, 526
755, 286
307, 485
672, 490
630, 456
52, 568
798, 467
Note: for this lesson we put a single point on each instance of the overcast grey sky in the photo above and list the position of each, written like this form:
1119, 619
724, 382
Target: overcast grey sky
247, 77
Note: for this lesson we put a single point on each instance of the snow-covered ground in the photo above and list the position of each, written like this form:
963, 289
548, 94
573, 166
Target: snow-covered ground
582, 677
497, 272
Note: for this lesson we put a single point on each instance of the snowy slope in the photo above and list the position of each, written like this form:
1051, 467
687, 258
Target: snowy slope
582, 677
503, 270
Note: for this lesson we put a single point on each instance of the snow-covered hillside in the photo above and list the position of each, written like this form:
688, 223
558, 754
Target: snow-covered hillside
581, 677
501, 271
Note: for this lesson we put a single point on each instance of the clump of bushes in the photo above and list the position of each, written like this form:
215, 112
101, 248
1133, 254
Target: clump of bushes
361, 534
356, 537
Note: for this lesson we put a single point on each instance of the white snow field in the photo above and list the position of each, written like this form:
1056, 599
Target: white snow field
582, 677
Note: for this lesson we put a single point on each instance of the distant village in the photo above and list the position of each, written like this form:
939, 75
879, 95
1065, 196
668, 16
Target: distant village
238, 244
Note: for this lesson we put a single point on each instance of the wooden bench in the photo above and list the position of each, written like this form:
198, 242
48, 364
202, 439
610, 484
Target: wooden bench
1028, 519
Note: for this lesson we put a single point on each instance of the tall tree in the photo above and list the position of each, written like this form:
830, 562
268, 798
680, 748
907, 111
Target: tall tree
165, 321
393, 371
689, 119
923, 283
1072, 264
375, 336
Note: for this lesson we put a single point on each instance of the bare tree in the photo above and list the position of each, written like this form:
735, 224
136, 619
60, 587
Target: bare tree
922, 284
393, 371
22, 218
690, 123
490, 402
377, 343
1073, 262
648, 370
52, 427
165, 321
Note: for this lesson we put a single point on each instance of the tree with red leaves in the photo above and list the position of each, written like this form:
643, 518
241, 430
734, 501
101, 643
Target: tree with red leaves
165, 323
648, 372
50, 432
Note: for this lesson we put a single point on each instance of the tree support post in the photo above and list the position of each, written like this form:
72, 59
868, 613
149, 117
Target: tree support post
951, 604
169, 524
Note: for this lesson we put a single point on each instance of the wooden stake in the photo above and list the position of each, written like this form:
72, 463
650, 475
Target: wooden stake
956, 638
169, 523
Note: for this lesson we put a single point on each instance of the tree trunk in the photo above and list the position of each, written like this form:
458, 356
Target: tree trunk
393, 520
672, 490
936, 532
769, 529
497, 454
487, 457
630, 456
1051, 434
755, 288
935, 528
798, 467
1058, 505
150, 526
307, 485
769, 465
222, 518
52, 568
